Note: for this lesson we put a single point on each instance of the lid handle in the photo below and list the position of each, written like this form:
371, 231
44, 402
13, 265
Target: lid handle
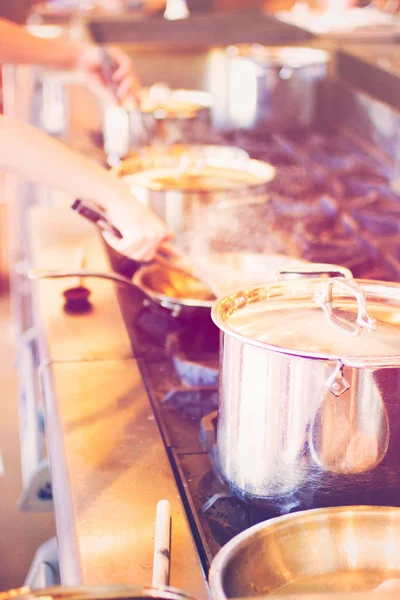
315, 269
363, 321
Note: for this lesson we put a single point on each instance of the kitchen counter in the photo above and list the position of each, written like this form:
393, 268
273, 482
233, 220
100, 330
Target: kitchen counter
109, 466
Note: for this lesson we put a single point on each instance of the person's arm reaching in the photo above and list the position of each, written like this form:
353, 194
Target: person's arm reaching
50, 163
17, 46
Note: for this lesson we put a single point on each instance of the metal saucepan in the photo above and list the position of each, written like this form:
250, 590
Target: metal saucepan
164, 117
304, 386
168, 287
271, 88
184, 296
347, 549
100, 592
180, 184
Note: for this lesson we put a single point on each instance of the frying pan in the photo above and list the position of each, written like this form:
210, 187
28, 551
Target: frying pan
170, 288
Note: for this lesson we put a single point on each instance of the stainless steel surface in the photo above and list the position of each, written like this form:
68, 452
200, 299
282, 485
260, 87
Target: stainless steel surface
101, 434
301, 396
180, 183
106, 451
330, 550
163, 121
273, 88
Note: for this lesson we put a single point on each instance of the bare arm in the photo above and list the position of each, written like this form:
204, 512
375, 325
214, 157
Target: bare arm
32, 154
17, 46
20, 47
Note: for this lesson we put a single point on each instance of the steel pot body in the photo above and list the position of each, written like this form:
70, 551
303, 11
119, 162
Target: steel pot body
332, 550
272, 88
293, 420
183, 117
181, 206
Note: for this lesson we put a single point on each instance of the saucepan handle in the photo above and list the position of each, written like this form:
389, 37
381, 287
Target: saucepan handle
315, 269
37, 274
363, 320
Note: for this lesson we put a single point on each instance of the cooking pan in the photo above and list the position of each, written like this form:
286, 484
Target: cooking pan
183, 295
330, 550
168, 287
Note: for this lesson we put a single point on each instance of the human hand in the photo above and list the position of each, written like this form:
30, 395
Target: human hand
143, 232
125, 81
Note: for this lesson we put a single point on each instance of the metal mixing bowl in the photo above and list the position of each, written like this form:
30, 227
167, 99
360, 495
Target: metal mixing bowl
345, 549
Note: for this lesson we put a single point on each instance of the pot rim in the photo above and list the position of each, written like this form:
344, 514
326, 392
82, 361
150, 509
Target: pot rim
278, 56
176, 151
356, 361
163, 299
221, 560
263, 170
98, 592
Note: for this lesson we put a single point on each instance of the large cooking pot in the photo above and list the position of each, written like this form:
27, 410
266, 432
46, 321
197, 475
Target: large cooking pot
272, 88
169, 117
307, 369
96, 592
178, 185
349, 549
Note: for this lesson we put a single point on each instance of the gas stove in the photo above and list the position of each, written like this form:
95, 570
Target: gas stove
331, 202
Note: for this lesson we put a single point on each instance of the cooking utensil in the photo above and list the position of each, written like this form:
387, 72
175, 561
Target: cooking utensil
77, 296
108, 66
162, 543
181, 295
180, 185
301, 394
346, 549
280, 84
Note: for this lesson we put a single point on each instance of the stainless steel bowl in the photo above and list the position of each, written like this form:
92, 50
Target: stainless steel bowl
96, 592
345, 549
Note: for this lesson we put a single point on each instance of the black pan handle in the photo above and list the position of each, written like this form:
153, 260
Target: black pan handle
96, 216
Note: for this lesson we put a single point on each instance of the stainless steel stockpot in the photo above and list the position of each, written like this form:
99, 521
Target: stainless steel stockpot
324, 551
300, 391
272, 88
170, 119
179, 184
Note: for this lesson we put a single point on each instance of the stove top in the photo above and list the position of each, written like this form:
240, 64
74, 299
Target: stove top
330, 202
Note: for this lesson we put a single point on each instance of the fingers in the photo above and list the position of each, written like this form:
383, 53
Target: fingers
124, 75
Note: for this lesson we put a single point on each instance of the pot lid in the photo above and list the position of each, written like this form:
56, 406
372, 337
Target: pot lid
357, 322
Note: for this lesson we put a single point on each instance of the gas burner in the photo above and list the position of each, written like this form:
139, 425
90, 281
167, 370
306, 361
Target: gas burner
195, 355
192, 402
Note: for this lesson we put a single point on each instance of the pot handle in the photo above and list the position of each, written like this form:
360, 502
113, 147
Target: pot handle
38, 274
315, 269
363, 321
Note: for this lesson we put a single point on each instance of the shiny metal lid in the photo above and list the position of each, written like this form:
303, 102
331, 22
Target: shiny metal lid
355, 321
